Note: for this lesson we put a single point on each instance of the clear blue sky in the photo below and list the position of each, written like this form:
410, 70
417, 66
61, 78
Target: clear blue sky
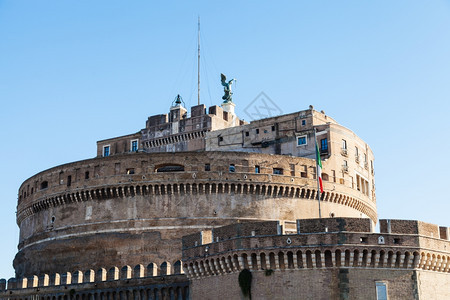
74, 72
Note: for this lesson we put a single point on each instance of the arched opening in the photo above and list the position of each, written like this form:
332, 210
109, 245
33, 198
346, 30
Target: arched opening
165, 268
309, 262
272, 261
230, 264
177, 269
245, 261
397, 260
318, 261
382, 255
281, 260
355, 258
300, 263
328, 259
390, 261
164, 168
236, 262
338, 256
263, 261
254, 261
347, 258
290, 259
365, 257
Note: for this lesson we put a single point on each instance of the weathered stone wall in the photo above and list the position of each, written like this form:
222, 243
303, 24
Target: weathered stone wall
327, 284
334, 225
120, 209
346, 158
327, 265
410, 227
121, 144
125, 283
433, 287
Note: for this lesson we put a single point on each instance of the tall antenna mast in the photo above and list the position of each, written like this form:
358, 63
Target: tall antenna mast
198, 61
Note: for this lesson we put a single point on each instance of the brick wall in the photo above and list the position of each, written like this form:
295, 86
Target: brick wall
338, 283
335, 225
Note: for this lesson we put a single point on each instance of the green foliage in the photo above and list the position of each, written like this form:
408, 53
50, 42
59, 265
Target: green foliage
268, 272
245, 282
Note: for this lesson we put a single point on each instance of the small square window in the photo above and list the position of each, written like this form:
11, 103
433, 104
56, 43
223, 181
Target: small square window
301, 140
363, 239
106, 151
396, 241
207, 167
277, 171
220, 138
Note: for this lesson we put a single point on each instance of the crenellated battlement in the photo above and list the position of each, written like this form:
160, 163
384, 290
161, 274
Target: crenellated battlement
162, 280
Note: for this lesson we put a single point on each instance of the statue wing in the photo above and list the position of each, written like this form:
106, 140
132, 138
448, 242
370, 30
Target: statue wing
223, 78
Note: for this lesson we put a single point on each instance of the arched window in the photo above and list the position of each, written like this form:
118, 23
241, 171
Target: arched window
169, 168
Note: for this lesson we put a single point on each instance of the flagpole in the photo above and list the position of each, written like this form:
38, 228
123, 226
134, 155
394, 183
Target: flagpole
316, 149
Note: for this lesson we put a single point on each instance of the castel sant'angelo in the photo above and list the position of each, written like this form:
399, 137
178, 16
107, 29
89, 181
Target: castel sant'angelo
202, 205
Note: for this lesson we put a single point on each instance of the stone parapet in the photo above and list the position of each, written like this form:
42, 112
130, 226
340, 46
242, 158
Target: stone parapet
330, 249
147, 281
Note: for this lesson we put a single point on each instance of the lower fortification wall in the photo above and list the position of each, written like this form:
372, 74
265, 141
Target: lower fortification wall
333, 283
139, 282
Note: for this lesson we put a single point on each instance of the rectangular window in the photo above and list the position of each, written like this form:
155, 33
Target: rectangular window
304, 174
292, 166
277, 171
86, 175
257, 170
356, 151
130, 171
345, 167
106, 150
381, 290
69, 180
232, 168
247, 133
303, 122
257, 131
324, 145
344, 144
220, 138
301, 140
273, 128
207, 167
134, 146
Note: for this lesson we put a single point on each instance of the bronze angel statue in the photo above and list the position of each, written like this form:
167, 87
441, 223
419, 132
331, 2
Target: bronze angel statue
227, 89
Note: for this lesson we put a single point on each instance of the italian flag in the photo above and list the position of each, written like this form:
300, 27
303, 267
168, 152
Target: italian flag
319, 168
